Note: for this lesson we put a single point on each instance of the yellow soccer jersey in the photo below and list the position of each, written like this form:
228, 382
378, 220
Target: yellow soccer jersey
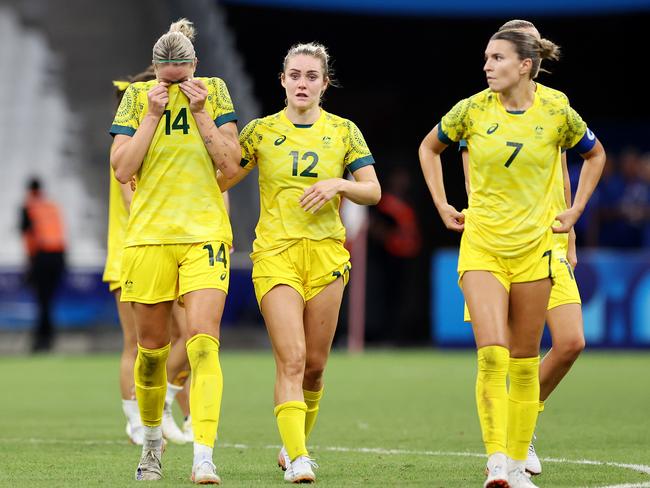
514, 166
118, 216
291, 158
177, 199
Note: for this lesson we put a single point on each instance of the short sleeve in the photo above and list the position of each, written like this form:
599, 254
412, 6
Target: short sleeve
219, 98
574, 129
453, 126
127, 118
357, 154
248, 140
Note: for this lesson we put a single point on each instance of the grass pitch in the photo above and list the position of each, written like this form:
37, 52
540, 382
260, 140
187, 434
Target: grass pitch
391, 419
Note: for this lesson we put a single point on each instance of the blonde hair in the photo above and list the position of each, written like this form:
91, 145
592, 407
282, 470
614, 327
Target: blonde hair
517, 24
528, 46
175, 46
315, 50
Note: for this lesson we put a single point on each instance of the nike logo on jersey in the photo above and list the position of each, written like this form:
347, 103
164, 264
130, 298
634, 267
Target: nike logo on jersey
280, 140
492, 129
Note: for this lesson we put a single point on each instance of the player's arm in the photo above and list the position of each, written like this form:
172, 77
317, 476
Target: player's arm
221, 142
127, 153
592, 168
364, 190
429, 153
572, 254
126, 190
226, 184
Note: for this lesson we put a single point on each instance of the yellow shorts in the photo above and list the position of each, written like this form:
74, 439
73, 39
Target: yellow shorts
165, 272
114, 285
565, 288
307, 266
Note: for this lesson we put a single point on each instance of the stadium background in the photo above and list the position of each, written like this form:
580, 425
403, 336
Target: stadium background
392, 416
401, 66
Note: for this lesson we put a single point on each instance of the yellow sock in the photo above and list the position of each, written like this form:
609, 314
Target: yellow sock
492, 397
291, 424
523, 405
150, 375
206, 387
312, 399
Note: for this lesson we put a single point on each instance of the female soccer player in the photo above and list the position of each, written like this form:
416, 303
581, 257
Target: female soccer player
300, 266
172, 133
514, 135
564, 311
118, 216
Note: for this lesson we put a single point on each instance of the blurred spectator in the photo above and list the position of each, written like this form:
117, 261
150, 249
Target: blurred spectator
394, 241
624, 199
43, 234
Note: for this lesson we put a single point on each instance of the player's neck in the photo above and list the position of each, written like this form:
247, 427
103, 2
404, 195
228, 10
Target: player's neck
302, 116
519, 98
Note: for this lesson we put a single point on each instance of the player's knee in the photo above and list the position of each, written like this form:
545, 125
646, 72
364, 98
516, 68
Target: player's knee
292, 365
571, 349
314, 373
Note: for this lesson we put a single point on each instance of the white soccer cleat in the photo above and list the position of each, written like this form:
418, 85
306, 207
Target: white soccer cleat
518, 478
150, 466
205, 473
135, 433
283, 459
188, 433
170, 430
301, 470
533, 466
497, 472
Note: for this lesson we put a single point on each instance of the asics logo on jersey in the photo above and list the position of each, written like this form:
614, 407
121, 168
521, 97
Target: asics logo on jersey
590, 135
280, 140
223, 276
492, 129
539, 129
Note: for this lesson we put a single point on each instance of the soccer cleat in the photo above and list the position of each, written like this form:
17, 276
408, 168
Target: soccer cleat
518, 478
188, 433
283, 459
135, 433
301, 470
169, 428
533, 466
497, 472
150, 466
205, 473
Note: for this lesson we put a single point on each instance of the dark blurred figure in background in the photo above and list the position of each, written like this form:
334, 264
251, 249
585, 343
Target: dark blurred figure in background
394, 241
43, 234
621, 218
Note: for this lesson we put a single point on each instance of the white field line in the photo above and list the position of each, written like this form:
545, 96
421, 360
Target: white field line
639, 468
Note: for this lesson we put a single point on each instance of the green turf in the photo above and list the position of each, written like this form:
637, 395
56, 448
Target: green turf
61, 423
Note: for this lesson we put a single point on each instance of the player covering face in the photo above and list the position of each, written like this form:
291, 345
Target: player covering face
172, 134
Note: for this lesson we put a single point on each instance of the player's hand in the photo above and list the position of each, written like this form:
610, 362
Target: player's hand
158, 99
452, 218
567, 219
196, 92
318, 194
